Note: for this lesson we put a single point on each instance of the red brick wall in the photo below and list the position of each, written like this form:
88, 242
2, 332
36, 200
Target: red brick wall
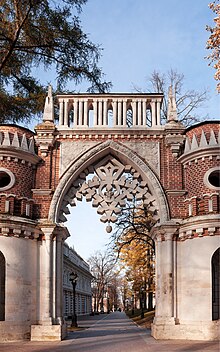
194, 177
20, 130
206, 128
172, 174
24, 177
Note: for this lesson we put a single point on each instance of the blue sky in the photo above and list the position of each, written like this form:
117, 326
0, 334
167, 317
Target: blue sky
137, 38
143, 35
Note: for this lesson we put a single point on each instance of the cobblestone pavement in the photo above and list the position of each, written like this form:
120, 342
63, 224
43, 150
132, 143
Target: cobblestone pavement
111, 333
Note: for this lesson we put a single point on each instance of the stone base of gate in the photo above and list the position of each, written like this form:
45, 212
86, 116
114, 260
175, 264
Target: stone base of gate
48, 332
187, 330
14, 331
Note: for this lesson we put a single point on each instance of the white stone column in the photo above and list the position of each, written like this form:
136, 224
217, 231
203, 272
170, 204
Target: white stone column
75, 123
139, 112
153, 112
59, 278
175, 282
158, 273
80, 113
54, 281
124, 122
144, 112
114, 105
66, 118
100, 113
158, 113
134, 112
61, 113
165, 276
168, 273
119, 112
85, 113
46, 277
105, 113
95, 109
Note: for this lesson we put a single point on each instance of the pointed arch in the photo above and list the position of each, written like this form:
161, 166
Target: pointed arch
95, 154
2, 287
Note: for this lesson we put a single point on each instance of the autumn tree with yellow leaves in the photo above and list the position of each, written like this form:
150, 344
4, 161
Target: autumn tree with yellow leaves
136, 249
213, 42
138, 259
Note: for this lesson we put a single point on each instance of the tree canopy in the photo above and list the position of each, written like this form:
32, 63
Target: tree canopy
213, 42
42, 34
134, 224
102, 266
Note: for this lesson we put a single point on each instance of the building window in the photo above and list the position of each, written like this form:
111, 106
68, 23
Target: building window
7, 179
212, 178
2, 286
215, 285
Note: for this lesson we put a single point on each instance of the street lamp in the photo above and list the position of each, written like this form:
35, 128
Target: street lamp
142, 302
132, 305
73, 280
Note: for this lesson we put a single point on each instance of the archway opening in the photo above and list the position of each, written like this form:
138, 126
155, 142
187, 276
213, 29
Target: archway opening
216, 285
117, 190
2, 287
87, 232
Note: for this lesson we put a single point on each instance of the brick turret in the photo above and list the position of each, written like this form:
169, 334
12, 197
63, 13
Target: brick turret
17, 171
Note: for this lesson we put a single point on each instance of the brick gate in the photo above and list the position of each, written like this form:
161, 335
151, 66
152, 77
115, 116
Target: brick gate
109, 148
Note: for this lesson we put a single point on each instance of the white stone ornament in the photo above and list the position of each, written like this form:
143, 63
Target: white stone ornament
112, 185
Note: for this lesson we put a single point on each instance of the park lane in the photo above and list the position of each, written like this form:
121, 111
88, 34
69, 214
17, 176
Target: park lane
114, 332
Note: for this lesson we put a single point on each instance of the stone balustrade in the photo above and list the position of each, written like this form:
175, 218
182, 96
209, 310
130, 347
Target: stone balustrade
109, 110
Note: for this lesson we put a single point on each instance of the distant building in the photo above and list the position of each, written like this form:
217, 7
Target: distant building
72, 262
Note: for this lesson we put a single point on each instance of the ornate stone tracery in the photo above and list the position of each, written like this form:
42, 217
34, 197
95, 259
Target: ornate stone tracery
112, 185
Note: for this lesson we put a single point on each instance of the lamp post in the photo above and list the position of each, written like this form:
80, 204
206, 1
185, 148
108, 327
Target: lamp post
73, 280
142, 302
132, 305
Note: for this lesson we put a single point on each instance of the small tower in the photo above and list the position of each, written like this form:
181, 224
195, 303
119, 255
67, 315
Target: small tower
17, 230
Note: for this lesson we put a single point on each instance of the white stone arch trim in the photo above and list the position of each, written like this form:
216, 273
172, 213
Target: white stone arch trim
94, 154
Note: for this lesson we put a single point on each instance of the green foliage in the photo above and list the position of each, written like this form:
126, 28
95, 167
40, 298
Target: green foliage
42, 34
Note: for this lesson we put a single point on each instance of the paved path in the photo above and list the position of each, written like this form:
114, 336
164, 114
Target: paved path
111, 333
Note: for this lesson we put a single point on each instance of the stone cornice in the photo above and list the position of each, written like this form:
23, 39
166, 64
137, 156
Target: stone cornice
105, 133
45, 136
166, 230
199, 154
203, 220
42, 192
17, 219
13, 226
7, 195
19, 154
109, 95
174, 127
176, 192
199, 226
62, 232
